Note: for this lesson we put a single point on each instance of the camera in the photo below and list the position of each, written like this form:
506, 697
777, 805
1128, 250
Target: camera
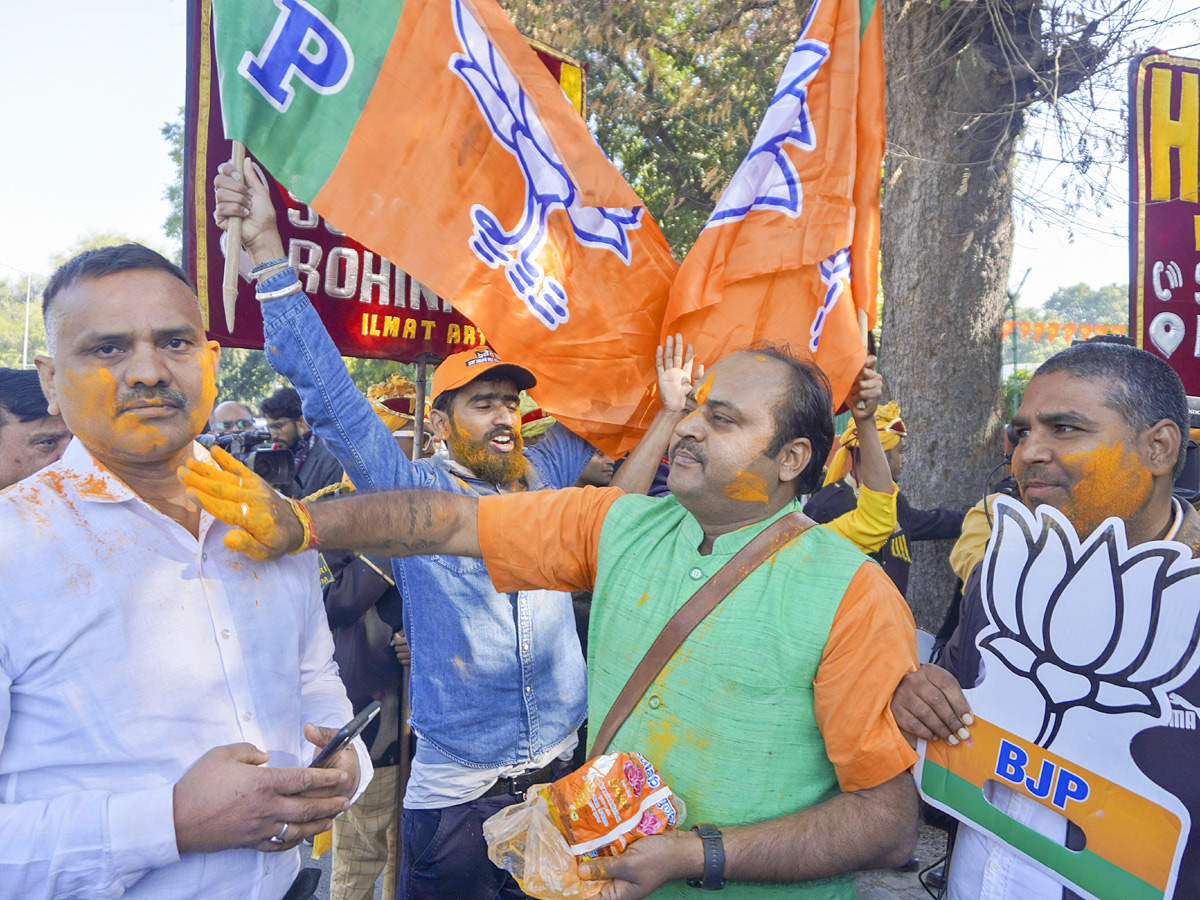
276, 467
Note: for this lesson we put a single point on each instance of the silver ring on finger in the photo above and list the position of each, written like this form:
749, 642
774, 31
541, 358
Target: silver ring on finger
281, 838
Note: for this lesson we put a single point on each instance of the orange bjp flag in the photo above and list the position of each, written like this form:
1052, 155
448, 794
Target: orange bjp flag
429, 131
791, 251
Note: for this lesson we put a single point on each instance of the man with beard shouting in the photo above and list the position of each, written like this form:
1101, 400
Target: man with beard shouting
498, 681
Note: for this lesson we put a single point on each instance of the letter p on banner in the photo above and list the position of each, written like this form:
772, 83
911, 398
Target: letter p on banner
303, 44
1132, 843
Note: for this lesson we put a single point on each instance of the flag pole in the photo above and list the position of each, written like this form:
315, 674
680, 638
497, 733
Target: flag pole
233, 247
862, 334
419, 408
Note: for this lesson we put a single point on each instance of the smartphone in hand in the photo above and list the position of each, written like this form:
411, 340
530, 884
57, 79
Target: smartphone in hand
345, 735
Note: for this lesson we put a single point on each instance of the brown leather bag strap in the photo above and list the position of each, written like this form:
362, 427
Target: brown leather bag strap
767, 543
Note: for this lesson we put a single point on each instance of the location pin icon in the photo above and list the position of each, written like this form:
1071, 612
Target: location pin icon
1166, 333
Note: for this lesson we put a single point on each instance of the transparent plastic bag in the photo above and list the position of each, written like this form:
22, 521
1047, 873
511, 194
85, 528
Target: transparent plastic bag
523, 839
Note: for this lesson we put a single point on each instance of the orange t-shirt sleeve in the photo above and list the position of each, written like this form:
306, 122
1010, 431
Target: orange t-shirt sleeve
544, 539
872, 645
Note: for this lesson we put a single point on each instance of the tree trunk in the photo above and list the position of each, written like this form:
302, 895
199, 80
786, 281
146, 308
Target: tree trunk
947, 245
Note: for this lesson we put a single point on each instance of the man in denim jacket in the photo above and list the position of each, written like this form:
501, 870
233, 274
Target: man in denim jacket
498, 680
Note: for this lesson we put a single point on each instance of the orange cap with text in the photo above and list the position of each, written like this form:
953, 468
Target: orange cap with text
463, 368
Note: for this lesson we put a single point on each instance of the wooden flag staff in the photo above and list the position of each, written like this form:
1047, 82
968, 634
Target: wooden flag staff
233, 247
862, 333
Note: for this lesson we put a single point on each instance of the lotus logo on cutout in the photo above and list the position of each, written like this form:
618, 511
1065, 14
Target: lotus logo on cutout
1044, 611
303, 44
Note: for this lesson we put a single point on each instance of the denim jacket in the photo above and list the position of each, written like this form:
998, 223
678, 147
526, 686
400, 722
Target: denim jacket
496, 678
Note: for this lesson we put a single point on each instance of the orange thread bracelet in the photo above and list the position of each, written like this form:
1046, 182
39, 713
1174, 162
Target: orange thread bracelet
310, 533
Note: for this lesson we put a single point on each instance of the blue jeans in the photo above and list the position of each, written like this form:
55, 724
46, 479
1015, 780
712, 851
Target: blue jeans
444, 855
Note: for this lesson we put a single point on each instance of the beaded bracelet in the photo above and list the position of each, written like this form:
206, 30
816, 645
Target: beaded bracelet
264, 296
310, 533
261, 268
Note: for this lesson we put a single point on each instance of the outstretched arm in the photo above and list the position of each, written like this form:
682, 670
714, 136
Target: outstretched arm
674, 367
396, 523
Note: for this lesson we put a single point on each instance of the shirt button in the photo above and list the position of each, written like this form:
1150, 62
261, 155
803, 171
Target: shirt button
654, 702
528, 689
697, 573
524, 646
225, 633
204, 556
247, 716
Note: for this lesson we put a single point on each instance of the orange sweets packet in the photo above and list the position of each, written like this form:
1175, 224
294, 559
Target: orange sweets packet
611, 802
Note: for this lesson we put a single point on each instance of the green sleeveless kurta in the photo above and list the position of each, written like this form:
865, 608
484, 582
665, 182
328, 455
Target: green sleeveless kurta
729, 722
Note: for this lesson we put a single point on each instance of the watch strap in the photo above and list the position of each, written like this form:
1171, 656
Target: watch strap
714, 859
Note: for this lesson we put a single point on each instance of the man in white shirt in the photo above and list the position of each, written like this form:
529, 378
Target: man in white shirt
154, 688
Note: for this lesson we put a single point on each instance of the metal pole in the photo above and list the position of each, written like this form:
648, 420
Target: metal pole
419, 409
28, 291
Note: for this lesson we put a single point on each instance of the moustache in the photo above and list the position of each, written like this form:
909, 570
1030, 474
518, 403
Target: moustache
692, 448
498, 431
1038, 474
138, 396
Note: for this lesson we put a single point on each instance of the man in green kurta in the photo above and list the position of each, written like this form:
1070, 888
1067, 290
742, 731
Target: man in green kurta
772, 720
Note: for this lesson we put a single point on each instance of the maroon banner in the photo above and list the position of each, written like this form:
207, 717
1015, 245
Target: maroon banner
1164, 213
370, 307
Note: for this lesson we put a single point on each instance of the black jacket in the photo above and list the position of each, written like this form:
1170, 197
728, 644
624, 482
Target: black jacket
838, 498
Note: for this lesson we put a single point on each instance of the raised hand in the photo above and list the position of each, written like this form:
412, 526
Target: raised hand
243, 195
673, 364
866, 392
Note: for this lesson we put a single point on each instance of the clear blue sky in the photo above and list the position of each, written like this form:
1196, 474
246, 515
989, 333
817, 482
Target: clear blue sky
88, 85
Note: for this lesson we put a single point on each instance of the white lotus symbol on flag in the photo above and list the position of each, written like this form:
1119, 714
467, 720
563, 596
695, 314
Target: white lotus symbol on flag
767, 177
1092, 624
514, 123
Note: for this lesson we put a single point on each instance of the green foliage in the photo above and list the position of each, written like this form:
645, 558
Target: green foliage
247, 377
366, 372
1079, 303
172, 132
1014, 390
12, 319
1108, 305
676, 91
94, 240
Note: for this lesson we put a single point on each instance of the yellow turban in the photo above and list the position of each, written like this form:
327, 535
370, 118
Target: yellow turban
393, 399
534, 421
891, 431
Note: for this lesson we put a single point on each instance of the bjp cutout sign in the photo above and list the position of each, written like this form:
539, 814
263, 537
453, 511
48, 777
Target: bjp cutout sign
1087, 642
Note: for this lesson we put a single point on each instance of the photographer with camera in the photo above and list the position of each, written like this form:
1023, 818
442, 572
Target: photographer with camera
316, 466
232, 417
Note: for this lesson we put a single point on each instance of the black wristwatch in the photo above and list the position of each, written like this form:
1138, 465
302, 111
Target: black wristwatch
714, 859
